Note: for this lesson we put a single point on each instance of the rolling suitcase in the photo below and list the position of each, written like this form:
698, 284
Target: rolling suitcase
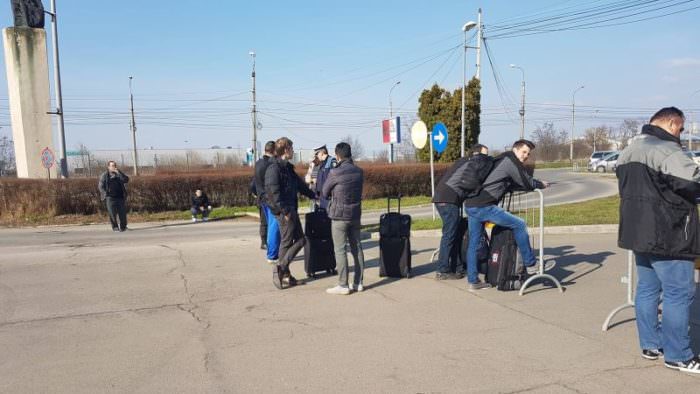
394, 243
318, 248
482, 251
505, 269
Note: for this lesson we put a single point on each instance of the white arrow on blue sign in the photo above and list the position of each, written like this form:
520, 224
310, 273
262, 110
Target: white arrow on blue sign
439, 137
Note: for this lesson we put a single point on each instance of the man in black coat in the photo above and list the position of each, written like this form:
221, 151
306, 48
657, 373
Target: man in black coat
282, 184
113, 193
269, 230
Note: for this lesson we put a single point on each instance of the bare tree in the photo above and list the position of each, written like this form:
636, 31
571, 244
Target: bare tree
628, 129
598, 138
8, 164
355, 145
549, 142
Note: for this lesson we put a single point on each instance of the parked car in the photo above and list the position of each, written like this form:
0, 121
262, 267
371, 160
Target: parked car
695, 155
596, 156
606, 164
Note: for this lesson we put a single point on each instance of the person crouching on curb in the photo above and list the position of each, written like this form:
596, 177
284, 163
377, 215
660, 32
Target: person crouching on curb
344, 188
200, 205
282, 184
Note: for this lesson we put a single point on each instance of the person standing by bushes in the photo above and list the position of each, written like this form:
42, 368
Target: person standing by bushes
325, 164
344, 187
269, 229
282, 184
200, 205
113, 193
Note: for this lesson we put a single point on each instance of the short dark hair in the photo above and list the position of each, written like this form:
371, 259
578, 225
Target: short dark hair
282, 145
666, 113
270, 147
110, 162
476, 149
519, 143
343, 150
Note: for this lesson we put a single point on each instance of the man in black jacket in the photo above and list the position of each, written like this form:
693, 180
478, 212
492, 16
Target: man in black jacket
508, 173
200, 205
113, 193
269, 229
659, 189
282, 184
448, 200
344, 188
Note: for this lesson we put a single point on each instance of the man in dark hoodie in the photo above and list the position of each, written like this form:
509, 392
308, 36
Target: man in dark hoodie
282, 184
508, 173
269, 229
112, 187
659, 190
449, 195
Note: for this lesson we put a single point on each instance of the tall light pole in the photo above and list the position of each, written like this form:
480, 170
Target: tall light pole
522, 101
692, 130
133, 129
254, 113
573, 123
479, 33
467, 26
57, 87
391, 116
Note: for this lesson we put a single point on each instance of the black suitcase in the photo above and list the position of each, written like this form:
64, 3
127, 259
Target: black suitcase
505, 268
482, 251
394, 243
319, 254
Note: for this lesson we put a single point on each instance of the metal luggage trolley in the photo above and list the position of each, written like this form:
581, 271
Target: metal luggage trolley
630, 291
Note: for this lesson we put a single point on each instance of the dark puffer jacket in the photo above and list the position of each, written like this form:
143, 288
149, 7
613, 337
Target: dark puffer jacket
104, 185
659, 186
282, 184
508, 174
344, 188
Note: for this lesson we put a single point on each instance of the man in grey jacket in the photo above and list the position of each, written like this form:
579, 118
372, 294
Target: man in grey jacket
113, 193
344, 188
508, 173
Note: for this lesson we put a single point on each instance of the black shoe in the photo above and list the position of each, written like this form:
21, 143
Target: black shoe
444, 275
115, 229
652, 354
459, 275
289, 280
690, 366
277, 277
123, 229
263, 246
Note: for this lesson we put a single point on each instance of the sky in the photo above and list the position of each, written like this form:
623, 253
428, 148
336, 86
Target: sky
324, 69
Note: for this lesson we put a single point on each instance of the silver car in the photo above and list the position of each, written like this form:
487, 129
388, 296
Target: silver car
597, 156
606, 164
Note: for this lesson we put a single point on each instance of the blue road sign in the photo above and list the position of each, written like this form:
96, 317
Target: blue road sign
439, 137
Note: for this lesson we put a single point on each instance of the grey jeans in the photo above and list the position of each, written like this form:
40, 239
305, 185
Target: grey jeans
343, 230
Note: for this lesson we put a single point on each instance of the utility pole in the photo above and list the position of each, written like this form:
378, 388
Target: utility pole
254, 113
133, 129
478, 46
573, 123
57, 87
391, 116
467, 26
522, 101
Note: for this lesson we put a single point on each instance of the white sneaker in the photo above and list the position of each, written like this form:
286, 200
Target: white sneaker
342, 290
194, 220
356, 287
272, 261
205, 219
535, 269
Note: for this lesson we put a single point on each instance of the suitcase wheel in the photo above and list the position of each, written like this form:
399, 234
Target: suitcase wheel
332, 272
310, 275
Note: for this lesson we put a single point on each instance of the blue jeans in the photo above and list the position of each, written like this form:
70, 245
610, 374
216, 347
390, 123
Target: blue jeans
501, 217
450, 234
273, 234
196, 211
675, 279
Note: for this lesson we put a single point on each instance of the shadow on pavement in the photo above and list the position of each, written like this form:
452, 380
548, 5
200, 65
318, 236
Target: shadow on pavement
565, 256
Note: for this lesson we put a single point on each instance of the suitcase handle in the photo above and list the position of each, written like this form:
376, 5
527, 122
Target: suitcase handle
388, 202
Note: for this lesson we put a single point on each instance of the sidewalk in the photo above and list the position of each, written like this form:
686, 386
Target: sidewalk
202, 315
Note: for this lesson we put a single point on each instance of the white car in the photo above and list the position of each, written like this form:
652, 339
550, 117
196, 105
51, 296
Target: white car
695, 155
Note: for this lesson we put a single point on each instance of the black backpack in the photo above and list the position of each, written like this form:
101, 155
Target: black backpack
468, 179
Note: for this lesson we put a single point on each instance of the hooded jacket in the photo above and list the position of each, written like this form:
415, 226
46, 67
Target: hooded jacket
344, 188
508, 173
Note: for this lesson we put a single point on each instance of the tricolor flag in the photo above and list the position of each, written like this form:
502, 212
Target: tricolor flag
391, 131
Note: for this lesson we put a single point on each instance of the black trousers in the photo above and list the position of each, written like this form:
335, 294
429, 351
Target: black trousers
263, 225
292, 239
116, 207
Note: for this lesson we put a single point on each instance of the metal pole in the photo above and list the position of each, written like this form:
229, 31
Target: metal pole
255, 115
522, 101
464, 87
692, 130
59, 95
432, 170
133, 129
391, 116
573, 123
478, 47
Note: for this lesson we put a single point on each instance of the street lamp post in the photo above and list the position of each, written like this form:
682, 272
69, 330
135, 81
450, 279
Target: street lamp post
467, 26
692, 130
133, 129
254, 113
573, 123
522, 101
58, 91
391, 116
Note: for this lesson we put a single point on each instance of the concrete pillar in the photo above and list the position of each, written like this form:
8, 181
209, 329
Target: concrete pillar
26, 63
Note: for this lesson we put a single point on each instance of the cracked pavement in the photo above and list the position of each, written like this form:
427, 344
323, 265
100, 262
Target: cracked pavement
191, 308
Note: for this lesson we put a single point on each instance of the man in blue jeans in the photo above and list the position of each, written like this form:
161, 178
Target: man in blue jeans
271, 230
508, 172
659, 186
449, 195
